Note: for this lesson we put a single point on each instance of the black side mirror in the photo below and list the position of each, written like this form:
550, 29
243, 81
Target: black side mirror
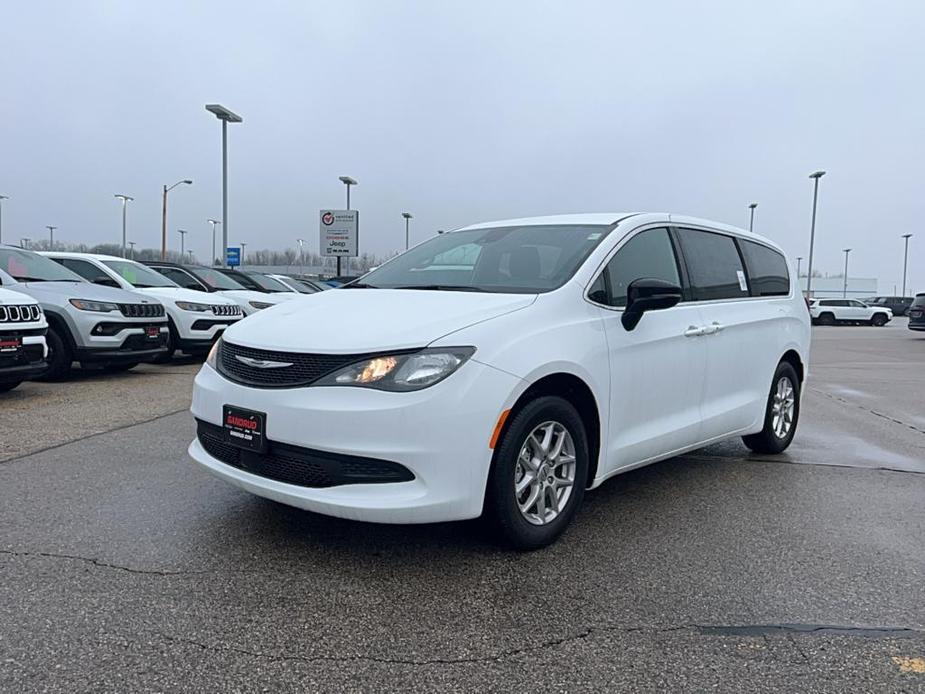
648, 294
107, 282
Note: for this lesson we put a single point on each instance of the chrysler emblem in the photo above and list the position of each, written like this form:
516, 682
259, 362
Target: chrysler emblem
262, 363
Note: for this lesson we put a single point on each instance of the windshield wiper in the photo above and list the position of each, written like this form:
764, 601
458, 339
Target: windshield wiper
443, 287
42, 279
358, 285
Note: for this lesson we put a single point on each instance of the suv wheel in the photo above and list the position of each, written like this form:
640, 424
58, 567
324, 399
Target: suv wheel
59, 357
826, 319
171, 345
8, 386
879, 319
781, 413
538, 476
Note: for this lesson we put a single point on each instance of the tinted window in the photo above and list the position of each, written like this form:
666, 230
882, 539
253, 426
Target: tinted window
138, 275
919, 300
88, 271
714, 265
767, 270
648, 254
857, 304
181, 278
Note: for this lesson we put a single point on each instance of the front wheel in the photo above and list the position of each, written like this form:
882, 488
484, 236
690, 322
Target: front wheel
879, 320
781, 413
826, 319
59, 357
538, 476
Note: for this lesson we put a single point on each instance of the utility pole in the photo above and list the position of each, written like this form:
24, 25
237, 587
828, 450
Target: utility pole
347, 181
844, 292
132, 244
905, 262
182, 233
816, 175
124, 199
751, 219
167, 189
213, 222
51, 237
408, 218
243, 248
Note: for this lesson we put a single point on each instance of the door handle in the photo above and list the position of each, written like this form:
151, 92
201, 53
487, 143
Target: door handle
693, 331
717, 327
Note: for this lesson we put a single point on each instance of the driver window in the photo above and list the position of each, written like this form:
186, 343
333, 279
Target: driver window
648, 254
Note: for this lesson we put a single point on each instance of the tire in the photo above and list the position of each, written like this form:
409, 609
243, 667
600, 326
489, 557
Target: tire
7, 386
546, 414
167, 356
769, 440
826, 319
879, 320
59, 357
119, 367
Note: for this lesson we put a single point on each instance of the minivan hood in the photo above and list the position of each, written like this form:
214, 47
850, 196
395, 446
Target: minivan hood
51, 291
369, 320
184, 294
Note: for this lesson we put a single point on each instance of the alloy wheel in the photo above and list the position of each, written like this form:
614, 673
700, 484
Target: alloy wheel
783, 407
545, 473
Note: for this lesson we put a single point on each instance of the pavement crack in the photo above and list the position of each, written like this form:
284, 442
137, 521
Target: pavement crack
887, 417
102, 564
808, 629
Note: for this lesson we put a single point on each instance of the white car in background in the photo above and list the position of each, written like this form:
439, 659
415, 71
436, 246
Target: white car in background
22, 339
196, 320
302, 286
834, 311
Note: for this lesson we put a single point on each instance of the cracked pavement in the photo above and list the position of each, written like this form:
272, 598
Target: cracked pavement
124, 568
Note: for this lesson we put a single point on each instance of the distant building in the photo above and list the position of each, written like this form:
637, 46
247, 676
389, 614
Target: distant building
833, 287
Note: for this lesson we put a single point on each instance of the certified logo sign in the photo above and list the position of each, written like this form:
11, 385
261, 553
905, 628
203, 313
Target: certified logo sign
327, 218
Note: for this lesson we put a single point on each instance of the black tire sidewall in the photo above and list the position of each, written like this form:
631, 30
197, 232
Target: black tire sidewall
501, 506
60, 363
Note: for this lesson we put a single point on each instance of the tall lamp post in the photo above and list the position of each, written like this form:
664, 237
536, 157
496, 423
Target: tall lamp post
905, 262
24, 243
182, 233
844, 291
243, 250
226, 117
132, 245
408, 218
125, 199
815, 175
751, 217
301, 258
51, 237
213, 222
190, 251
2, 198
167, 189
799, 262
347, 181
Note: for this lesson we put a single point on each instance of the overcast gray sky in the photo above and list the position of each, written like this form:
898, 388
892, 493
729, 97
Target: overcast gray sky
468, 111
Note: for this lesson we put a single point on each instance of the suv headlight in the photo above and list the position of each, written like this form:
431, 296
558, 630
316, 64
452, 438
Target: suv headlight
260, 304
401, 372
212, 359
190, 306
98, 306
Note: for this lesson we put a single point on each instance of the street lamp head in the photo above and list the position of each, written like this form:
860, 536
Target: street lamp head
223, 113
906, 236
124, 198
188, 181
347, 180
4, 197
847, 250
214, 221
406, 215
817, 174
753, 205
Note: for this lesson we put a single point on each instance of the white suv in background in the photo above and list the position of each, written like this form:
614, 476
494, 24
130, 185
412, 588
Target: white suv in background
196, 320
833, 311
22, 339
94, 325
504, 368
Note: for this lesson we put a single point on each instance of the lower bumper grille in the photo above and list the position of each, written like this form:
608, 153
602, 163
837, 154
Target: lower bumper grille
304, 467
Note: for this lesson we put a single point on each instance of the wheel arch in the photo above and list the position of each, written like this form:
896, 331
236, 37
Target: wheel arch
792, 357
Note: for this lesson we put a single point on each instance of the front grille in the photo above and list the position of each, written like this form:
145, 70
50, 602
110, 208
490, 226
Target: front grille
16, 313
142, 310
135, 343
304, 467
302, 368
226, 310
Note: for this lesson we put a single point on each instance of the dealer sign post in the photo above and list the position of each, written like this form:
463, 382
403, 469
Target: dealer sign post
339, 234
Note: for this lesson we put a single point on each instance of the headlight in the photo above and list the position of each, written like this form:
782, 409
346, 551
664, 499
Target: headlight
401, 372
260, 304
212, 359
99, 306
189, 306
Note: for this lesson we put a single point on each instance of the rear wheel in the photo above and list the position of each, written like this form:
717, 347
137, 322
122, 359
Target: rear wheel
781, 413
826, 319
879, 319
59, 357
8, 386
538, 477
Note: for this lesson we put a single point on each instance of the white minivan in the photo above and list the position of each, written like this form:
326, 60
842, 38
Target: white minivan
504, 368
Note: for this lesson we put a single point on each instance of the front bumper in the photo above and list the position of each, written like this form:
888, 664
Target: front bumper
129, 344
440, 434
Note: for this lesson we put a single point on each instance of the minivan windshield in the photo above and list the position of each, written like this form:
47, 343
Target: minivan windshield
514, 259
26, 266
138, 275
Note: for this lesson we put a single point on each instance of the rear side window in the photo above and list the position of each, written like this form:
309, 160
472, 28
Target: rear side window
767, 270
649, 254
919, 300
88, 271
713, 265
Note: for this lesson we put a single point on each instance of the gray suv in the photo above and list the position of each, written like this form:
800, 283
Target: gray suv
87, 323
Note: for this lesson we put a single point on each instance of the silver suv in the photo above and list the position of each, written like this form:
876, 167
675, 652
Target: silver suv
87, 323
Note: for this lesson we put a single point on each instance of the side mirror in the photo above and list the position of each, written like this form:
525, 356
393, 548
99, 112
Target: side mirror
648, 294
107, 282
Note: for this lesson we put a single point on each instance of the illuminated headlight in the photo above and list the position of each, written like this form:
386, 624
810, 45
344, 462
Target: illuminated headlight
260, 304
98, 306
212, 359
401, 372
189, 306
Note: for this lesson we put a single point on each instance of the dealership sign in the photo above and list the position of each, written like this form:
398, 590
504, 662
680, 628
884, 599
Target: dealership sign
339, 232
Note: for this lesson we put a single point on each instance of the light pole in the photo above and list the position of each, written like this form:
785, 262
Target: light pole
213, 222
799, 262
124, 199
2, 198
408, 218
815, 175
182, 233
905, 262
243, 249
226, 117
301, 257
347, 181
844, 291
51, 237
24, 243
190, 251
751, 217
164, 216
132, 245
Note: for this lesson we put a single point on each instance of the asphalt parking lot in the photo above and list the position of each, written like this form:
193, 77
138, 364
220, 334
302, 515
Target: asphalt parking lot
125, 568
